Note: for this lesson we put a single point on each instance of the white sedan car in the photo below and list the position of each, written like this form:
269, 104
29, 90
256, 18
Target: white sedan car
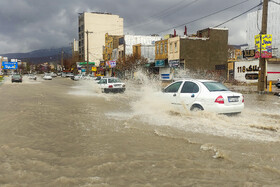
47, 76
205, 95
111, 84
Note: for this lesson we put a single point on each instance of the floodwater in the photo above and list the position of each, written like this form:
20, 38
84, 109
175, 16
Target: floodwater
67, 133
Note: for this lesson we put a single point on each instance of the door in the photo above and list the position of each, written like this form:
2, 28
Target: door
171, 92
188, 93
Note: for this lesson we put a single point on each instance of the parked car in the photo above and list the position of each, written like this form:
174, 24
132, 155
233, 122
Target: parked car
205, 95
77, 77
53, 74
69, 74
278, 83
32, 77
47, 76
111, 84
16, 78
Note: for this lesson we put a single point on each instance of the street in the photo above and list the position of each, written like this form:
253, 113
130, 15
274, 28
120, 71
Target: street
67, 133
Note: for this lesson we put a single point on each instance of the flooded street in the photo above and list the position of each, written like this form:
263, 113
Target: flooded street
67, 133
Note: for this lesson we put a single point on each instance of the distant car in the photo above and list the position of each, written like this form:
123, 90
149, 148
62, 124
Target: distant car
53, 74
32, 77
69, 74
205, 95
16, 78
47, 76
77, 77
111, 84
278, 83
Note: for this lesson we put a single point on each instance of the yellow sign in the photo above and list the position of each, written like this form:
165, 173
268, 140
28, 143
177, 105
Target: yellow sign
93, 69
263, 45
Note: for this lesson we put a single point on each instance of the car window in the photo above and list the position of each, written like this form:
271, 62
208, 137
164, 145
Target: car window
173, 87
103, 81
190, 87
215, 86
113, 80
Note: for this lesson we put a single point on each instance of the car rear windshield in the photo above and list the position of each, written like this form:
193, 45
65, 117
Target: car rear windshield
215, 86
16, 76
114, 80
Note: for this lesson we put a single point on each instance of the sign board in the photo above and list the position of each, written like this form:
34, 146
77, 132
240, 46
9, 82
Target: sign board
160, 63
9, 65
249, 53
111, 64
85, 63
263, 45
174, 63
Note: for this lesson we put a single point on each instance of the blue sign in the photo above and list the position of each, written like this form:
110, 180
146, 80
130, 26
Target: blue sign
165, 76
9, 65
160, 63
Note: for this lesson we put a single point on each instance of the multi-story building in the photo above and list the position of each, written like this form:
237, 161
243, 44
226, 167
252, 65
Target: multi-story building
127, 43
205, 52
161, 58
92, 28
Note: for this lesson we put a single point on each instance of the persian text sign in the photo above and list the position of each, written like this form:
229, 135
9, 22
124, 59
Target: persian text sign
9, 65
263, 44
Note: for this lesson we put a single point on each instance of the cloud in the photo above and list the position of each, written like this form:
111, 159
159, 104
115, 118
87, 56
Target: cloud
35, 24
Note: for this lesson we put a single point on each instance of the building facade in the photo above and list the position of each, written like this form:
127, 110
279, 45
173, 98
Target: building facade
92, 28
207, 51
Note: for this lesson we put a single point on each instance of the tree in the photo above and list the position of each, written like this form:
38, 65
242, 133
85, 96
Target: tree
130, 63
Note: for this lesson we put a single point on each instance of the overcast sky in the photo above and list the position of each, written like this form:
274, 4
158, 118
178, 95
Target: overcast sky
27, 25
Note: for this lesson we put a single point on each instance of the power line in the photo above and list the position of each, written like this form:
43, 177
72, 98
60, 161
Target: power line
219, 11
163, 14
239, 15
275, 2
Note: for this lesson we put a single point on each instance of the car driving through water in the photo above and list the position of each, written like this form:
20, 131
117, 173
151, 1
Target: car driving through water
111, 84
16, 78
205, 95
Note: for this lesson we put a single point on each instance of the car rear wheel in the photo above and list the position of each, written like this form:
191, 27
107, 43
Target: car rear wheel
196, 108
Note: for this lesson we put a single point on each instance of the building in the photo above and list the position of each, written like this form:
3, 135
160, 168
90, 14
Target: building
109, 55
207, 52
161, 58
127, 43
92, 28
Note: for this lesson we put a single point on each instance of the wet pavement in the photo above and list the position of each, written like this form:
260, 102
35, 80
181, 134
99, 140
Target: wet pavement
67, 133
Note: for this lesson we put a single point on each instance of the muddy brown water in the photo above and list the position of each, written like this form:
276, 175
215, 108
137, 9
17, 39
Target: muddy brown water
66, 133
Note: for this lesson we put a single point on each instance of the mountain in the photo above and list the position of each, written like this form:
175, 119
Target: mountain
41, 55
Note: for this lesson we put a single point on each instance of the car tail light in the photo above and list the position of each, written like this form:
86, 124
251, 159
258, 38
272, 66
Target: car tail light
242, 99
110, 86
220, 100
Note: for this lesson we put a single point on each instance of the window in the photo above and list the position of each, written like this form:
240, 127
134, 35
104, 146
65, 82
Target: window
157, 48
170, 47
173, 88
103, 81
215, 86
175, 47
161, 48
165, 47
190, 87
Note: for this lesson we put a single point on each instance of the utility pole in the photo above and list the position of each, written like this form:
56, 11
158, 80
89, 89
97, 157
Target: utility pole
262, 61
87, 32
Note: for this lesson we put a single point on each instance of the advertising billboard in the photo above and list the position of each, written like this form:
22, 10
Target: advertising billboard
9, 65
263, 45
